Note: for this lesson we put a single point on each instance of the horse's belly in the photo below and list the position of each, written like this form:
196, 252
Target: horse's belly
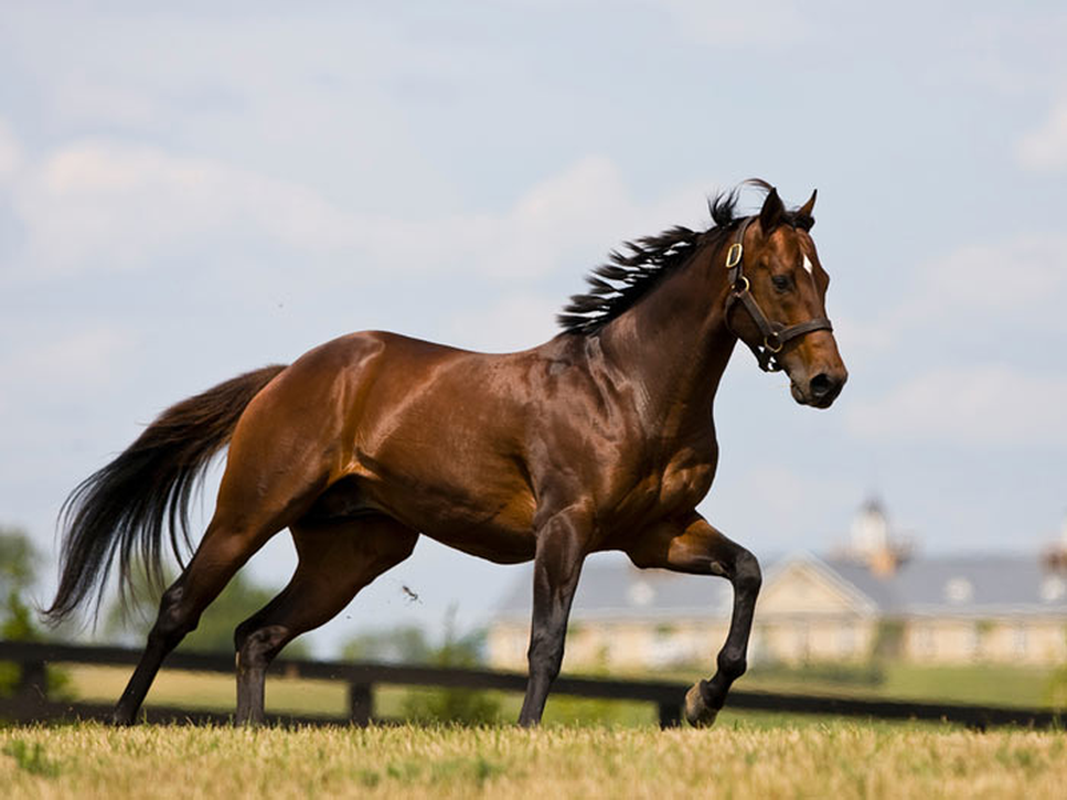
495, 523
498, 544
504, 535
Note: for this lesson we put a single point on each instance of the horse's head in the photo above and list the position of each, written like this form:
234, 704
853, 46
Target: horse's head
777, 300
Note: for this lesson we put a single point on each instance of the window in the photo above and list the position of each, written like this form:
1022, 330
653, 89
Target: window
925, 643
959, 591
846, 639
973, 643
642, 594
803, 641
1019, 640
1053, 588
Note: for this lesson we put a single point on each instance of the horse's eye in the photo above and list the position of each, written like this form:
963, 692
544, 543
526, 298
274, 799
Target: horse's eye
781, 282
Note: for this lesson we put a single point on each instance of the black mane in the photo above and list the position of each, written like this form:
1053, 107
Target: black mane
627, 277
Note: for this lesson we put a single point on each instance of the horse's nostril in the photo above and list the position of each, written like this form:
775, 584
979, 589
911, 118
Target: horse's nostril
821, 385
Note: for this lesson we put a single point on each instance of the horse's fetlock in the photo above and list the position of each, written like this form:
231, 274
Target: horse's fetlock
732, 663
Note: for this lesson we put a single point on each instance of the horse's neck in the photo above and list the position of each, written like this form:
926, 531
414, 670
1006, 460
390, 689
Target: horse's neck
675, 342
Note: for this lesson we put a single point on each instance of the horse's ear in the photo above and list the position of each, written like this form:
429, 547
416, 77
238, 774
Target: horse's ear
773, 212
804, 214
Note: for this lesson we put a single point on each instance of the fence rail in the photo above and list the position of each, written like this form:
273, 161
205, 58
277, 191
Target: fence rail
31, 701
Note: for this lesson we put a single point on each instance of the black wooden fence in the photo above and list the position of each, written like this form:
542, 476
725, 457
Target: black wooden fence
31, 701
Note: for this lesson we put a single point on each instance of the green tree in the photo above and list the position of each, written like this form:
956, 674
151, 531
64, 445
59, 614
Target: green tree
19, 562
409, 644
888, 640
455, 706
405, 644
1056, 686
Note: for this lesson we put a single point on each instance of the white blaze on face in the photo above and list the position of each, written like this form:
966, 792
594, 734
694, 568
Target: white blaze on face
807, 265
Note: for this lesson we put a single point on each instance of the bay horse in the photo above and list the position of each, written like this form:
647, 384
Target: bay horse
600, 439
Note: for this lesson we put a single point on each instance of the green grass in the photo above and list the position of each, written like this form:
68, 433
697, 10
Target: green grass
840, 760
994, 685
977, 684
991, 685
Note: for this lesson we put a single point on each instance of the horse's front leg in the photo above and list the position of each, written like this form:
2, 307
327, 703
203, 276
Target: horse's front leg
561, 549
694, 546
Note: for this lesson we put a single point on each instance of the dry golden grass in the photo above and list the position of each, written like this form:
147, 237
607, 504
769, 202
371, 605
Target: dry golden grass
839, 760
207, 690
217, 692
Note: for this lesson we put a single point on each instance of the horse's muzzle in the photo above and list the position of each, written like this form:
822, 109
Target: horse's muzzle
821, 390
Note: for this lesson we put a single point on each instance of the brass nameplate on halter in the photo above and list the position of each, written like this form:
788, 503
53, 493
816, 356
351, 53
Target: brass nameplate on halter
733, 255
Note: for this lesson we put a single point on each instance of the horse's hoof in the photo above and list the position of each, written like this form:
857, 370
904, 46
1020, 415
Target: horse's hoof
697, 712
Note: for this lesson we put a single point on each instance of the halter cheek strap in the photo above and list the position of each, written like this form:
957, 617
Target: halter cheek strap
775, 334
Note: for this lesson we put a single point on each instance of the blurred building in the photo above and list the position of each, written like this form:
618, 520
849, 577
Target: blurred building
874, 596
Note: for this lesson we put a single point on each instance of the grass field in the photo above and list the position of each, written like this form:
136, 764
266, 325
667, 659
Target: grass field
297, 696
840, 760
985, 685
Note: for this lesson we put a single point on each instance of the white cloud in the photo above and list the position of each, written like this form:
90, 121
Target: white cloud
99, 204
44, 373
77, 97
512, 323
988, 404
862, 337
85, 359
1002, 293
1011, 284
732, 25
765, 507
1046, 147
102, 205
1006, 287
10, 152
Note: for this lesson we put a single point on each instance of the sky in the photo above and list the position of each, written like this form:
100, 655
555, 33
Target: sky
189, 191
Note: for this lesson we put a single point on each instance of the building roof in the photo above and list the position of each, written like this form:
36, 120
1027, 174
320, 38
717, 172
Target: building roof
962, 585
952, 585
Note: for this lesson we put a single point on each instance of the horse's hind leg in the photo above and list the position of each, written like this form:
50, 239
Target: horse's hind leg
221, 553
256, 500
337, 559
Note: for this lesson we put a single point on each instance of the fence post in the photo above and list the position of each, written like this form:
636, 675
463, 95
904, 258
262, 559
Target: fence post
670, 715
360, 702
33, 682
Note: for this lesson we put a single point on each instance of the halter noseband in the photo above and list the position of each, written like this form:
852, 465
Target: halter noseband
775, 334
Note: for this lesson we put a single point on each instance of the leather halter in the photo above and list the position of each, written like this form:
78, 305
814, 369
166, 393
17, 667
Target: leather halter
775, 334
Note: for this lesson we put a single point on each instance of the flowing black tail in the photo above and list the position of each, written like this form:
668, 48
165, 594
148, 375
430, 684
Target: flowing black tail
125, 506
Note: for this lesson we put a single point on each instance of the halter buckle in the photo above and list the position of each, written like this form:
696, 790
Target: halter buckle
772, 343
733, 255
